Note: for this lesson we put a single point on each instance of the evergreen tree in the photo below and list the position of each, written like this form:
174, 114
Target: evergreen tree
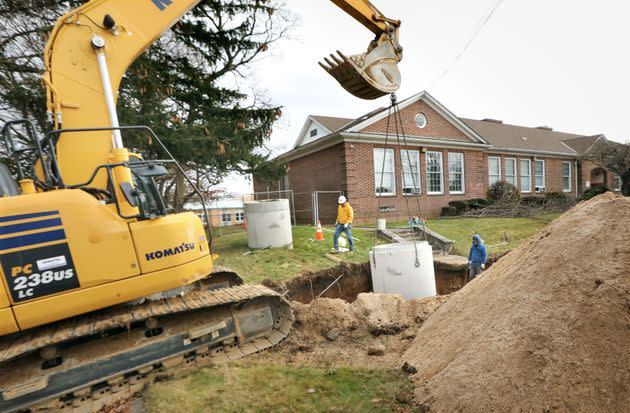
188, 86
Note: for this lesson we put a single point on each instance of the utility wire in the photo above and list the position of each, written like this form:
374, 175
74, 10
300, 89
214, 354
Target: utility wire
478, 28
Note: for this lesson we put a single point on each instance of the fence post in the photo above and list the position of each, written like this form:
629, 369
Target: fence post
293, 207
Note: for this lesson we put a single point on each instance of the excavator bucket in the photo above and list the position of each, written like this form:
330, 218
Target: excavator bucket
368, 75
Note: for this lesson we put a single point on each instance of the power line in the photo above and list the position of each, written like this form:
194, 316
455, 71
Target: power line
478, 28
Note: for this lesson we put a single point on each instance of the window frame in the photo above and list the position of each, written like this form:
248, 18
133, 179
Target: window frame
224, 215
377, 170
515, 176
498, 158
570, 177
418, 180
426, 159
463, 172
617, 179
529, 175
544, 181
236, 215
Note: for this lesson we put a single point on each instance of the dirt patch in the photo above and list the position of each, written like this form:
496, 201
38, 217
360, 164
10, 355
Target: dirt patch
386, 322
352, 279
120, 406
547, 328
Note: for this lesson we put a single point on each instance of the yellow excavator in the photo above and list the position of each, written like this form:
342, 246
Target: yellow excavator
102, 286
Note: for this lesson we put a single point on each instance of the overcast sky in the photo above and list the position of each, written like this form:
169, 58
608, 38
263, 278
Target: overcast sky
560, 63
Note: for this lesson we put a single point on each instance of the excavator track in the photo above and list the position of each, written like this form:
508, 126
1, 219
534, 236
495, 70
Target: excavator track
111, 354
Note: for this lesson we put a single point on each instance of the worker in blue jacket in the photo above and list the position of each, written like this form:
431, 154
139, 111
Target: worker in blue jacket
477, 257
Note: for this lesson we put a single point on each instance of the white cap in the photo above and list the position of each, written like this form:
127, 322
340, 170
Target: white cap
342, 199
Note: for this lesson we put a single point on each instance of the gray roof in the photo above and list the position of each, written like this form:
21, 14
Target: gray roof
331, 123
582, 144
505, 136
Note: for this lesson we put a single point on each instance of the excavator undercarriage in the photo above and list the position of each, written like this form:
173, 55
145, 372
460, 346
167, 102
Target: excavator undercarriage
88, 361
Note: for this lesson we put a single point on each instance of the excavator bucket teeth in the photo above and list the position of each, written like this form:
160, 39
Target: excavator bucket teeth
368, 75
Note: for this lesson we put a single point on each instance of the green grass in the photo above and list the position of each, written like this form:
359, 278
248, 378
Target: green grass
492, 231
307, 254
227, 230
279, 389
280, 263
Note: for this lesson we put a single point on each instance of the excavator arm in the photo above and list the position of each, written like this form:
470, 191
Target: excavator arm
365, 13
87, 54
91, 47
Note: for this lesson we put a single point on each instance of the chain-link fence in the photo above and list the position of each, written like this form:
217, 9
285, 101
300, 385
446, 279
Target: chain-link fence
227, 214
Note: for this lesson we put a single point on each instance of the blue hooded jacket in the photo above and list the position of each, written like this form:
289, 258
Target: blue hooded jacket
477, 254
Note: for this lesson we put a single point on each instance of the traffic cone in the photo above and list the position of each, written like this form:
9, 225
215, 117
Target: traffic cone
319, 235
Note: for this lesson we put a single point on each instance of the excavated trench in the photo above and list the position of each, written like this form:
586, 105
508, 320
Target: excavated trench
347, 280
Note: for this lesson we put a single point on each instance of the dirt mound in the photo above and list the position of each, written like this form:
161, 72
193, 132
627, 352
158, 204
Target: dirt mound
547, 328
333, 332
377, 314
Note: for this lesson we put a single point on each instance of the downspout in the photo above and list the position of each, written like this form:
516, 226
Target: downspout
576, 178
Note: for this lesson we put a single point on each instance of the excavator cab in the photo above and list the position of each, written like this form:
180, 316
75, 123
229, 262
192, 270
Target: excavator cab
374, 73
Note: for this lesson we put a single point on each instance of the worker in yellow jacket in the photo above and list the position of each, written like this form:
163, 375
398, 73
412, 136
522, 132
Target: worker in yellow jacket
345, 214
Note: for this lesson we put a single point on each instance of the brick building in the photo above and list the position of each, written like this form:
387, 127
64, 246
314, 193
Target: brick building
441, 158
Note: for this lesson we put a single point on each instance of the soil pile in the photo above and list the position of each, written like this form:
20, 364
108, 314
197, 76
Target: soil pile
547, 328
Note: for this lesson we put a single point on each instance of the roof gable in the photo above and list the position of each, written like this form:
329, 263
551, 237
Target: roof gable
316, 127
441, 123
583, 144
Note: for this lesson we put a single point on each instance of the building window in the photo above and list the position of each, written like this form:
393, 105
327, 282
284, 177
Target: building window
225, 217
384, 181
240, 216
435, 181
617, 182
456, 173
526, 175
313, 133
421, 120
510, 171
494, 169
411, 171
566, 176
539, 175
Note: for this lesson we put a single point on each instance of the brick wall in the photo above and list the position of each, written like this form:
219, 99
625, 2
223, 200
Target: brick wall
586, 175
436, 126
361, 183
553, 172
